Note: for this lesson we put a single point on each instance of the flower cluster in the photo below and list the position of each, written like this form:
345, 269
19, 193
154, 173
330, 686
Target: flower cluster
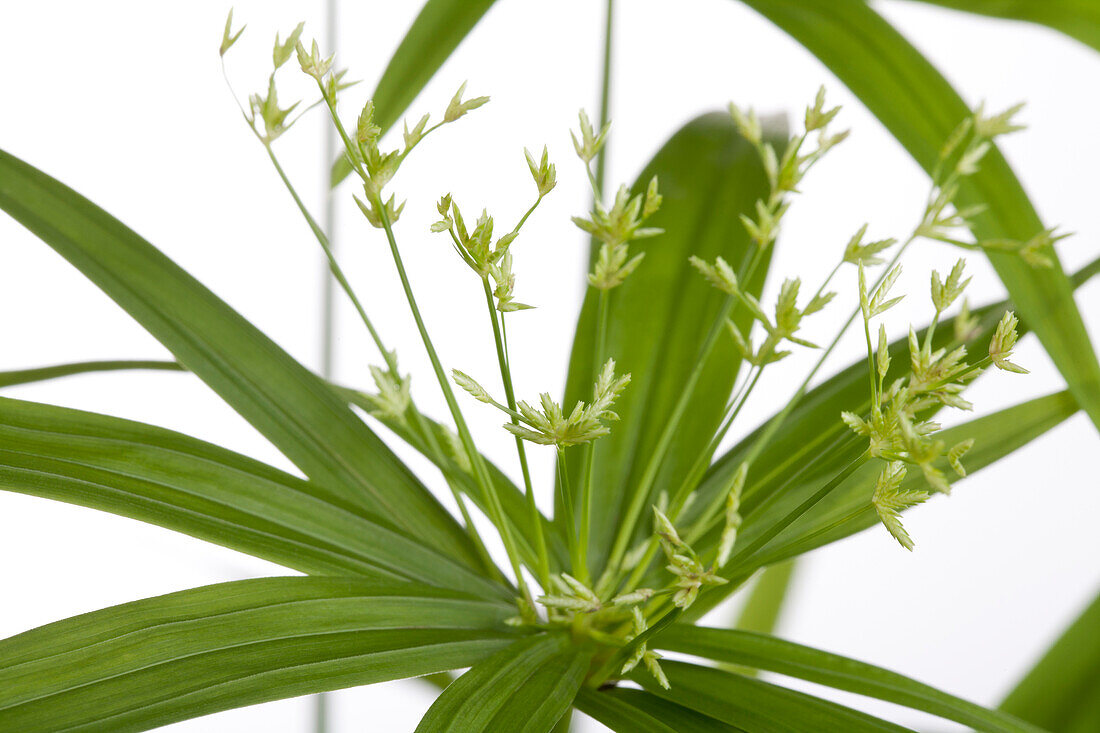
899, 428
550, 425
616, 227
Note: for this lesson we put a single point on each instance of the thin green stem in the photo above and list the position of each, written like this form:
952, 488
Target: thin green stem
496, 510
737, 568
626, 529
691, 481
641, 493
839, 445
740, 559
481, 473
391, 362
605, 94
509, 392
776, 422
567, 508
598, 356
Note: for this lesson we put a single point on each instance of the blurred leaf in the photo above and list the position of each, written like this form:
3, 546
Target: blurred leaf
1078, 19
752, 705
175, 481
526, 687
291, 407
179, 656
634, 711
768, 653
921, 109
1062, 691
761, 611
661, 315
433, 37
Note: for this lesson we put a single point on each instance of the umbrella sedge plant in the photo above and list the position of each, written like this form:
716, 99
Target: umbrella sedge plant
656, 520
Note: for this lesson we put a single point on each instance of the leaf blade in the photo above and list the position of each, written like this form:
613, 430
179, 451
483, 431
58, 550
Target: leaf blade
752, 705
660, 316
184, 484
765, 652
168, 658
290, 406
635, 711
1060, 691
527, 686
1079, 19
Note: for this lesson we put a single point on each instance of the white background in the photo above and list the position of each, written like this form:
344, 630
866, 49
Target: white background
124, 102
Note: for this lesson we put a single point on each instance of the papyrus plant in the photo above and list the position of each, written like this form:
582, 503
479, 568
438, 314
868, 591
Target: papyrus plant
651, 528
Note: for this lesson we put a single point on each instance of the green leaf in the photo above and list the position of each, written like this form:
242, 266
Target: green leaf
761, 611
433, 37
41, 374
1078, 19
1061, 691
156, 661
920, 108
515, 506
634, 711
661, 315
175, 481
525, 687
754, 706
291, 407
764, 652
848, 509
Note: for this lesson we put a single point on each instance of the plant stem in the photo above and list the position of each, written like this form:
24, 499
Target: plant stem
391, 363
738, 561
626, 529
641, 494
691, 481
567, 506
598, 356
496, 511
777, 421
481, 473
605, 93
509, 392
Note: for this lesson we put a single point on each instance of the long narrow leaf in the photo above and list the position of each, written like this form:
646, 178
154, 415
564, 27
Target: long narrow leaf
293, 408
514, 503
764, 652
187, 654
41, 374
1078, 19
525, 687
757, 707
761, 611
169, 479
920, 108
635, 711
661, 315
1061, 691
